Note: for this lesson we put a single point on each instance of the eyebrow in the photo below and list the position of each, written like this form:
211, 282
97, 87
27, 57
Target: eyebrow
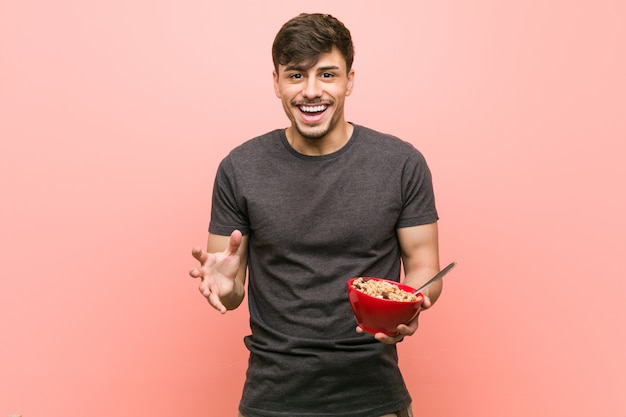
301, 68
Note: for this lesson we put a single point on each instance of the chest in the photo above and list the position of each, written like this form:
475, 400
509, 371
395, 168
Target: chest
333, 206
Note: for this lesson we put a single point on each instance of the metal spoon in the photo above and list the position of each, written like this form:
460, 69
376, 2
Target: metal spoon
436, 278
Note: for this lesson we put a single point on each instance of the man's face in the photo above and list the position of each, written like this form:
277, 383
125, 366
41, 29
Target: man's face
313, 98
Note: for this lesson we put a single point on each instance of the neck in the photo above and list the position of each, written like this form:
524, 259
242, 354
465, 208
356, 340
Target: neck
325, 145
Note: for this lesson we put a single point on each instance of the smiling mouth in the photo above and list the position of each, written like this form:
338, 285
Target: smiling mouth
313, 109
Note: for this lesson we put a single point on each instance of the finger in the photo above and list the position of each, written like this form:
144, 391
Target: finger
388, 340
211, 293
234, 242
405, 330
199, 254
216, 303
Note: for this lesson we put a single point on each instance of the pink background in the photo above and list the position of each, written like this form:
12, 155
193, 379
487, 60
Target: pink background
113, 118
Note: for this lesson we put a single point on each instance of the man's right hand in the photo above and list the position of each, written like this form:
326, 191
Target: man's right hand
218, 272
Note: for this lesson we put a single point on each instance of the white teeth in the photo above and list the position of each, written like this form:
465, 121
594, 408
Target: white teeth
313, 109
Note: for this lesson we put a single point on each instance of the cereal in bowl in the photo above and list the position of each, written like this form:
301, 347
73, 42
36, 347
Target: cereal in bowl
382, 289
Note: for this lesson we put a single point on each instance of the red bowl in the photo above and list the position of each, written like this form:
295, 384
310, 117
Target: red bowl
378, 315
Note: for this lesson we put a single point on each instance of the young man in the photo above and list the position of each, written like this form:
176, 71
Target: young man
300, 211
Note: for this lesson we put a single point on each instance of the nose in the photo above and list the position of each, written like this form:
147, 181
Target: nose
312, 88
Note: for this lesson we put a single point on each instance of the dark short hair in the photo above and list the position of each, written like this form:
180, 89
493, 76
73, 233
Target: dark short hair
305, 37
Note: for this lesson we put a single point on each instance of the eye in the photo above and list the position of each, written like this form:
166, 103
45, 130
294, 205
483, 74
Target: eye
327, 75
296, 76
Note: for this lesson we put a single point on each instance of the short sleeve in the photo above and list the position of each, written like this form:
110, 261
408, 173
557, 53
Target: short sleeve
228, 211
418, 198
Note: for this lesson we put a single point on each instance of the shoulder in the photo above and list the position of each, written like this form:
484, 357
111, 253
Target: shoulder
264, 141
255, 156
375, 142
256, 149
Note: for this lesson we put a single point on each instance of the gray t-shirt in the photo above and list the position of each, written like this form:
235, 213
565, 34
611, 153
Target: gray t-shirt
314, 222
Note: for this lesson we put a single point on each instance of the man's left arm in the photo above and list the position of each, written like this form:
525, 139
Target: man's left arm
420, 257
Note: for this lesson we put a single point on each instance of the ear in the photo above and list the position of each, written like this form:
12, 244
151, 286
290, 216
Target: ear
276, 88
350, 84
